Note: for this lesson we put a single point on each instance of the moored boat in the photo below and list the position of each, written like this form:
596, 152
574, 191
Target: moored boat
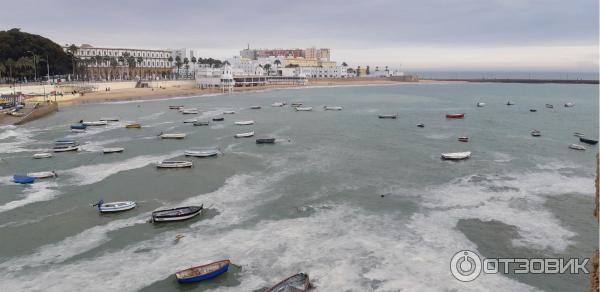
278, 104
42, 155
78, 126
172, 136
65, 142
176, 214
510, 103
463, 139
577, 147
174, 164
296, 104
480, 104
201, 123
218, 119
244, 123
265, 140
421, 125
532, 110
133, 126
201, 273
190, 121
228, 112
113, 150
588, 141
189, 111
304, 108
549, 105
455, 116
388, 116
175, 107
202, 152
112, 207
536, 133
43, 174
110, 119
95, 123
299, 282
23, 179
333, 108
569, 104
255, 107
65, 148
456, 155
244, 135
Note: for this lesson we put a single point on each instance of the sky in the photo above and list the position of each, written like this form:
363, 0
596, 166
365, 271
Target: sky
436, 35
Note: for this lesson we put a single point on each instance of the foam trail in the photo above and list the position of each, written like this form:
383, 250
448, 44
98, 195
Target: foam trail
38, 192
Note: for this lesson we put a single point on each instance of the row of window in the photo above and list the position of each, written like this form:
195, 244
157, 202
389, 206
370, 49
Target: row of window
143, 64
112, 53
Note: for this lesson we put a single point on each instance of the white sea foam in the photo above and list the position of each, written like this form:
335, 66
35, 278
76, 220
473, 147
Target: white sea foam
40, 191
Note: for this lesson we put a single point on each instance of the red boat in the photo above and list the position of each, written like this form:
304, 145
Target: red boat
455, 116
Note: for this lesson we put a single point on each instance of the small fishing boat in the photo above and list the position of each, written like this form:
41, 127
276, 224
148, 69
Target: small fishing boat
244, 135
174, 164
388, 116
65, 148
569, 104
228, 112
113, 150
480, 104
532, 110
298, 282
65, 142
112, 207
577, 134
536, 133
549, 105
201, 123
255, 107
463, 139
176, 214
110, 119
510, 103
278, 104
23, 179
421, 125
78, 126
304, 108
333, 108
43, 174
202, 152
201, 273
42, 155
244, 123
133, 126
588, 141
456, 155
455, 116
190, 121
190, 111
175, 107
218, 119
95, 123
296, 104
265, 141
577, 147
172, 136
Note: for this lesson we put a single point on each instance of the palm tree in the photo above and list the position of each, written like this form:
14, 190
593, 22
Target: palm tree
139, 63
72, 49
267, 68
10, 63
113, 65
194, 62
121, 61
344, 64
186, 61
170, 65
178, 64
106, 64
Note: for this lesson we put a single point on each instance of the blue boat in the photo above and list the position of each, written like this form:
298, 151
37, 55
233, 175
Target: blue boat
23, 179
201, 273
78, 126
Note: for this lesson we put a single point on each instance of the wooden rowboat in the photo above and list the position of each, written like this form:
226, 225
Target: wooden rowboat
455, 116
456, 155
204, 272
133, 126
298, 282
174, 164
244, 135
176, 214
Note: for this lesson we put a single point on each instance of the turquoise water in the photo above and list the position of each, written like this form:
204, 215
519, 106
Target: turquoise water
313, 201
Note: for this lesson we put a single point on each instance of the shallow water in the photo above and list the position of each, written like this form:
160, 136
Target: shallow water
313, 201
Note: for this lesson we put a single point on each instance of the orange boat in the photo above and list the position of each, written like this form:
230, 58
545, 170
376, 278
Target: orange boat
133, 126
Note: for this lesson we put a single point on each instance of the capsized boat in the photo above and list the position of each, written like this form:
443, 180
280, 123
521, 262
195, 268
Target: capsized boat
480, 104
388, 116
113, 150
133, 126
278, 104
304, 108
456, 155
463, 139
536, 133
95, 123
255, 107
569, 104
201, 123
110, 119
577, 147
43, 174
455, 116
588, 141
244, 135
201, 273
114, 206
202, 152
174, 164
65, 148
244, 123
23, 179
176, 214
172, 136
333, 108
265, 140
42, 155
298, 282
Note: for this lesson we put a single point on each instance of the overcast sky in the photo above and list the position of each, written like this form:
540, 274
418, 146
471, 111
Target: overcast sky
543, 35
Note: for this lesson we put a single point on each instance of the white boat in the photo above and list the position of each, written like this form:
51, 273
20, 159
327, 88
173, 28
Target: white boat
333, 108
228, 112
173, 164
569, 104
110, 119
244, 135
172, 136
244, 123
190, 121
115, 206
577, 147
278, 104
95, 123
304, 109
480, 104
113, 150
43, 174
189, 111
201, 152
42, 155
456, 155
536, 133
65, 148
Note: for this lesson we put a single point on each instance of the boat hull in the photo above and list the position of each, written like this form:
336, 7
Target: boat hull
178, 214
203, 277
455, 116
588, 141
107, 208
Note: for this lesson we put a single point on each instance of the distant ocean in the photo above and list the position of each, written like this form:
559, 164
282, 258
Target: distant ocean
512, 75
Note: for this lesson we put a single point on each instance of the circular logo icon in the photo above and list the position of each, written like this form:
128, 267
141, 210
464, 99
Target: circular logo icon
465, 266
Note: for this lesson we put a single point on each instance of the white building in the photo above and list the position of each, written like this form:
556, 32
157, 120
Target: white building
316, 72
207, 77
248, 67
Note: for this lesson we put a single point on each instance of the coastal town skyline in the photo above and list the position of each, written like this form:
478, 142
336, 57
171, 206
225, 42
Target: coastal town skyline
499, 35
